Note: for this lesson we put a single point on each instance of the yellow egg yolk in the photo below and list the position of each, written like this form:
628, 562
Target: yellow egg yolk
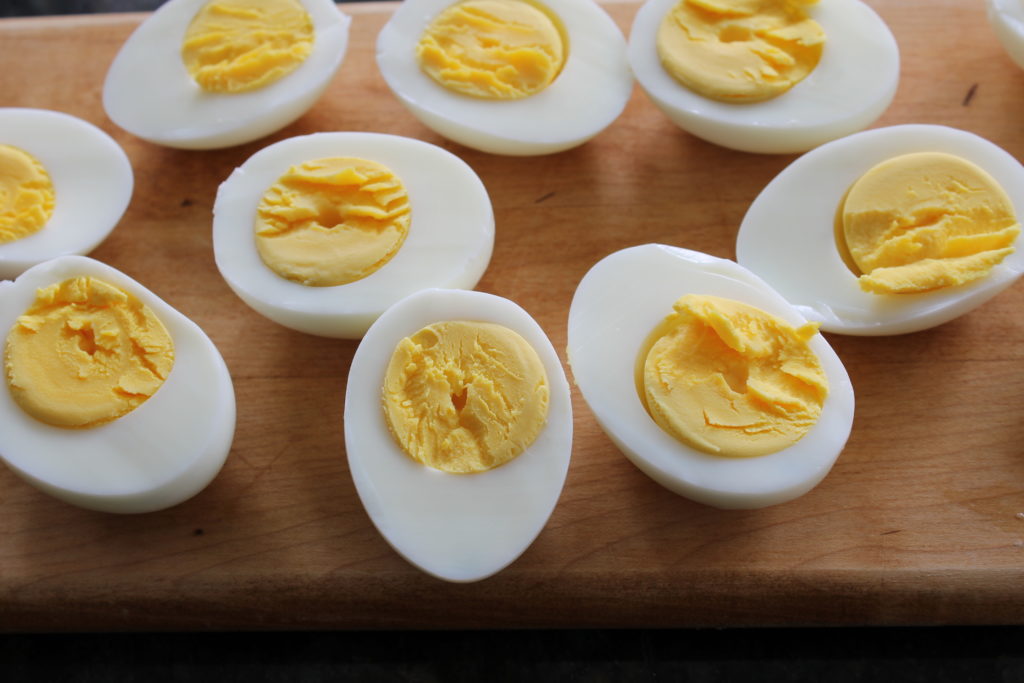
26, 194
329, 222
495, 49
730, 379
924, 221
740, 50
465, 396
85, 353
238, 45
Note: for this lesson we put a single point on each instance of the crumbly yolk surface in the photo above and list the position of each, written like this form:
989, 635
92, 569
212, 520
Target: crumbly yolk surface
465, 396
494, 49
238, 45
924, 221
730, 379
27, 196
85, 353
332, 221
740, 50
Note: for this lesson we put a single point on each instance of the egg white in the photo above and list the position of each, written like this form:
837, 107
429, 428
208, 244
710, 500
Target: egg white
457, 527
617, 305
160, 454
787, 235
149, 92
852, 85
449, 244
92, 180
587, 96
1007, 20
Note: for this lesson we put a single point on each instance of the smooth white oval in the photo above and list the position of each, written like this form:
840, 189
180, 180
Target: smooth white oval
160, 454
787, 235
617, 305
92, 180
449, 244
587, 96
1007, 20
149, 92
854, 82
457, 527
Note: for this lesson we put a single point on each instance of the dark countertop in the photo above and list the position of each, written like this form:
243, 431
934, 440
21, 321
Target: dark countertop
26, 8
934, 655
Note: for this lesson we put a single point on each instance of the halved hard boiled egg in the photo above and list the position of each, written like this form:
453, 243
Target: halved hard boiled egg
848, 88
457, 523
206, 74
407, 215
789, 234
64, 185
113, 400
1007, 20
583, 61
625, 298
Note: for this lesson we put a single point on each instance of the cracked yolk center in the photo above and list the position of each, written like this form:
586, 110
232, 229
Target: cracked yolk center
27, 195
740, 50
924, 221
465, 396
235, 46
85, 353
329, 222
730, 379
493, 49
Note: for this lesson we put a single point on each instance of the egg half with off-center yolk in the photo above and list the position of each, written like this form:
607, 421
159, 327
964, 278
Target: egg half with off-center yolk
513, 77
452, 452
951, 225
749, 383
112, 399
762, 85
323, 232
64, 185
206, 74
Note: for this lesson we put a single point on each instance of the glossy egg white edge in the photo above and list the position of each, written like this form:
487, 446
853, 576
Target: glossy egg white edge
617, 305
1007, 20
587, 96
92, 180
787, 235
153, 457
449, 244
149, 92
457, 527
852, 85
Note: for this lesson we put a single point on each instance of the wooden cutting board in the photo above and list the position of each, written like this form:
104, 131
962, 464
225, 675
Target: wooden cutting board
920, 521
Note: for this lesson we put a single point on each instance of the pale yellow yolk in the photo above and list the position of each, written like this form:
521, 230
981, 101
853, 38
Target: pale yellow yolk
730, 379
740, 50
85, 353
26, 194
332, 221
465, 396
239, 45
496, 49
924, 221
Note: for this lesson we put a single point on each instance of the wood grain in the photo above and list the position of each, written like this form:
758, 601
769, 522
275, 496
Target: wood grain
919, 522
